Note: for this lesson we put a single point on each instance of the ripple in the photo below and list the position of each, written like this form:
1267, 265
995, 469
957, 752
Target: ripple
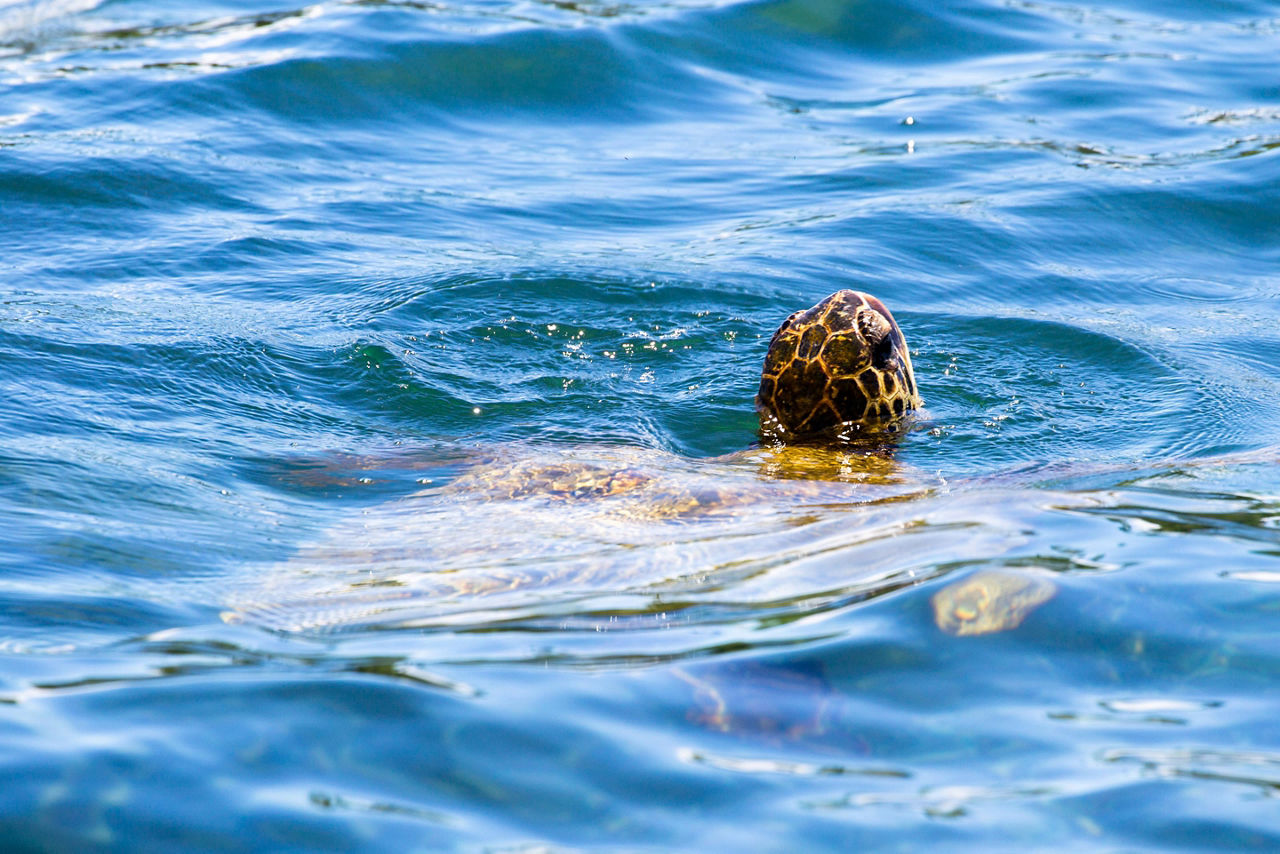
24, 24
1246, 768
1045, 389
285, 284
1193, 289
768, 766
944, 802
1246, 116
1262, 576
1168, 711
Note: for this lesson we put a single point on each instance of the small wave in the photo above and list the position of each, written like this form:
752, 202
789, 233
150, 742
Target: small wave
1043, 390
24, 24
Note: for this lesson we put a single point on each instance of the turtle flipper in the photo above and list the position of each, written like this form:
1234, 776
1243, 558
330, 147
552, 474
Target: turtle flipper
990, 601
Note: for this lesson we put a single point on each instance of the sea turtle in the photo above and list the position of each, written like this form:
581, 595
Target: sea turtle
838, 370
836, 388
836, 384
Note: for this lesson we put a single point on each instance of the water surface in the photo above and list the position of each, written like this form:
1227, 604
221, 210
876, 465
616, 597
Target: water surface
277, 278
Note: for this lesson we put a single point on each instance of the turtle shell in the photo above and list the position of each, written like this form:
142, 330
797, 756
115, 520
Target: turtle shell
839, 369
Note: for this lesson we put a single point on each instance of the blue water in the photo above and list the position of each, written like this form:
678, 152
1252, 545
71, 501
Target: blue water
275, 279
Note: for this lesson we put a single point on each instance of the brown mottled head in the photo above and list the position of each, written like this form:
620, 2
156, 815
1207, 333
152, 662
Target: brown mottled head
841, 367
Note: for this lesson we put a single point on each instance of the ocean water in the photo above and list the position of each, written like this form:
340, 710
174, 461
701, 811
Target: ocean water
299, 304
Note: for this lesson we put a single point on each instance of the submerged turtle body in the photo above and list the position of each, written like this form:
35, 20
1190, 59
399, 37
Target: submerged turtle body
633, 476
521, 526
624, 485
838, 370
524, 522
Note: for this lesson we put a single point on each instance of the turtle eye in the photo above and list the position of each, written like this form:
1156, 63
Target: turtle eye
882, 352
877, 331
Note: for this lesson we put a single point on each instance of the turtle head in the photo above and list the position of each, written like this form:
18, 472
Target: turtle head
838, 370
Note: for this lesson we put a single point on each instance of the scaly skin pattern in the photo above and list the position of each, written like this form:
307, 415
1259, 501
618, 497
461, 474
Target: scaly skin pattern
842, 365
